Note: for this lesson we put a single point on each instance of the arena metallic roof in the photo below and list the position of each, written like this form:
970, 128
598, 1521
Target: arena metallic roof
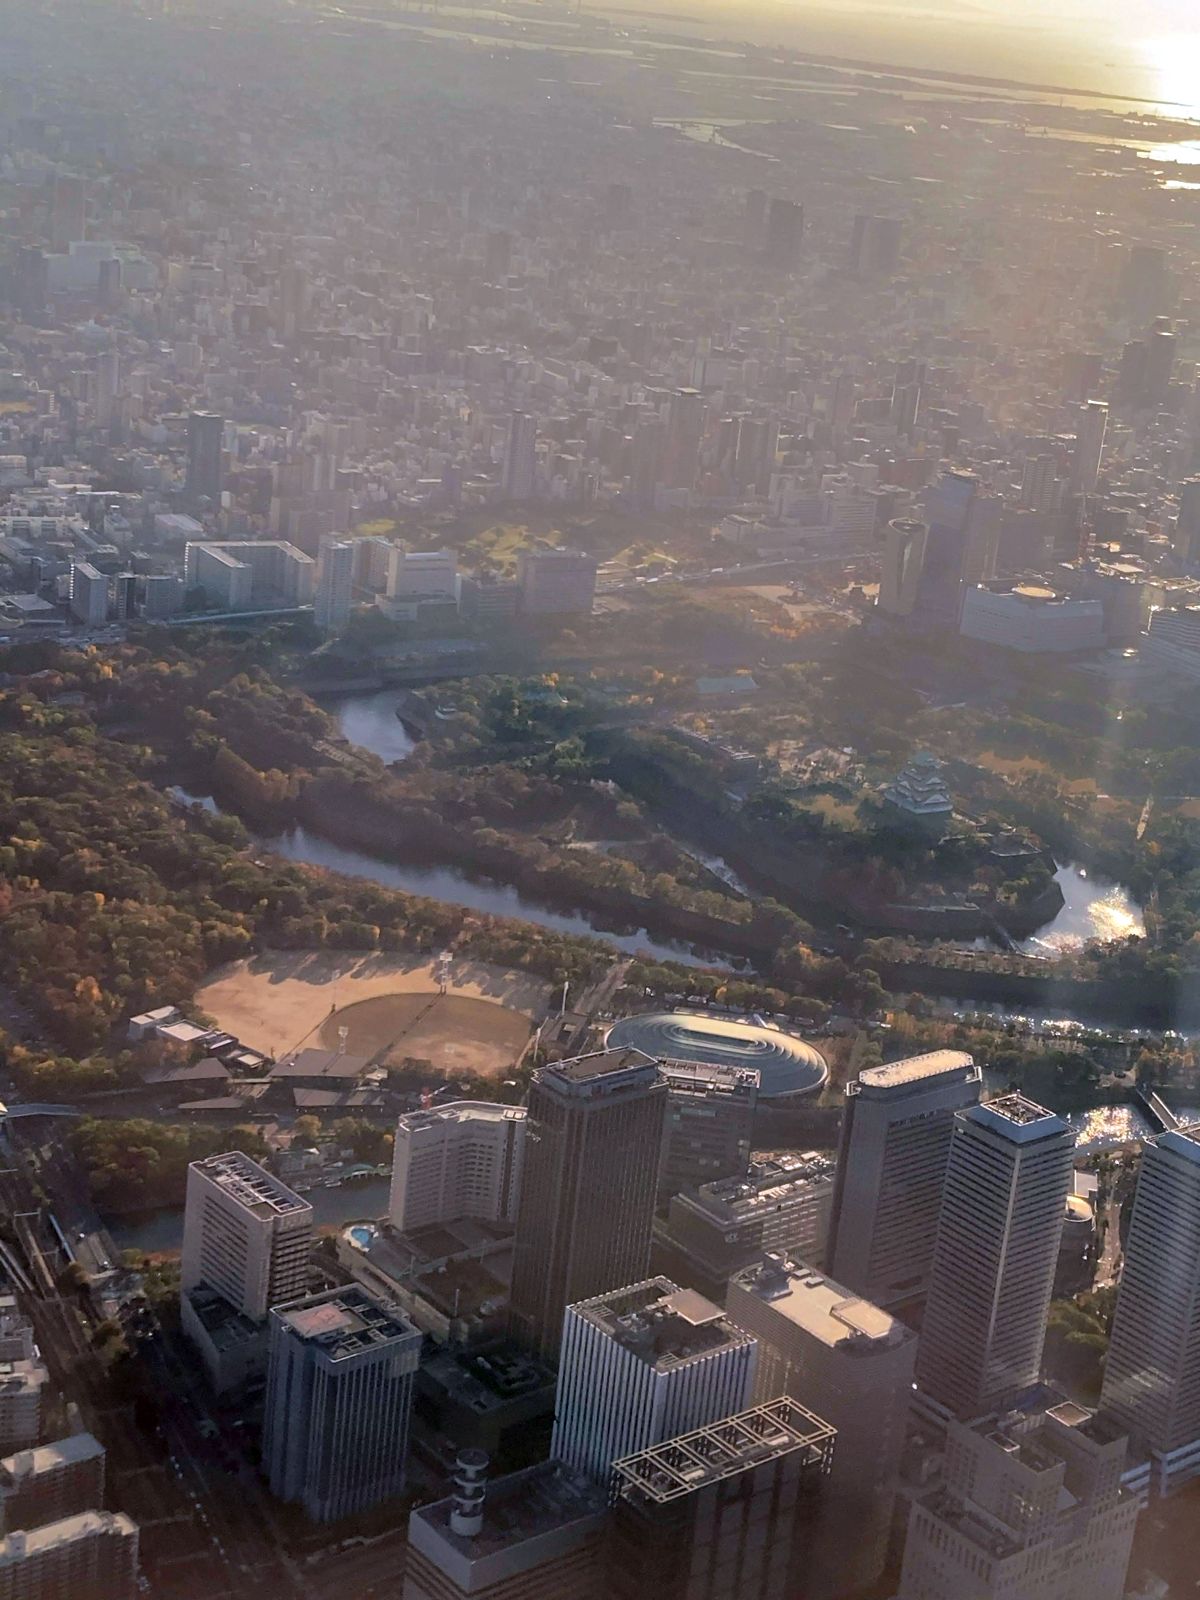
786, 1064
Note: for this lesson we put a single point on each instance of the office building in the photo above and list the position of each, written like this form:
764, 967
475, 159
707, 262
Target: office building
587, 1196
1152, 1375
1031, 1508
640, 1365
706, 1132
895, 1144
1172, 642
245, 1234
334, 595
162, 596
50, 1482
687, 417
422, 574
875, 245
339, 1394
711, 1232
68, 211
23, 1385
1161, 348
723, 1513
1185, 535
961, 546
89, 595
555, 582
1031, 619
246, 574
460, 1160
488, 602
852, 1364
1144, 283
1041, 487
1007, 1181
903, 559
205, 468
519, 473
92, 1556
17, 1342
532, 1535
785, 231
1088, 452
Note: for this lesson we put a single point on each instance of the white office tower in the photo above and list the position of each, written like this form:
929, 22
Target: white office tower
643, 1364
852, 1364
245, 1234
462, 1160
93, 1556
1001, 1223
895, 1143
422, 574
1152, 1375
339, 1393
334, 597
1089, 446
1031, 1508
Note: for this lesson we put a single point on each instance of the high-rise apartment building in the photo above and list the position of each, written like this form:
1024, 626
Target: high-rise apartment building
852, 1364
519, 473
245, 1234
723, 1513
205, 470
903, 559
1088, 452
461, 1160
706, 1132
339, 1393
710, 1232
531, 1535
999, 1230
334, 595
50, 1482
1152, 1374
640, 1365
92, 1556
1031, 1508
587, 1196
89, 594
895, 1143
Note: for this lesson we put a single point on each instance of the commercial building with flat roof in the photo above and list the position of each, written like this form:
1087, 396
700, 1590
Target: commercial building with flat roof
533, 1535
851, 1363
459, 1160
781, 1203
895, 1142
640, 1365
724, 1512
240, 574
339, 1394
707, 1129
999, 1230
22, 1386
587, 1198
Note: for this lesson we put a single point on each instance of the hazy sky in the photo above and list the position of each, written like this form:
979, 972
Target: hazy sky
1137, 47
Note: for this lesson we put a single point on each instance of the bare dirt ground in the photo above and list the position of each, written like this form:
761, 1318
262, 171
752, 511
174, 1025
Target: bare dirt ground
279, 1000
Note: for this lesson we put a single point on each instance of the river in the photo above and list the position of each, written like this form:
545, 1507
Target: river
1094, 907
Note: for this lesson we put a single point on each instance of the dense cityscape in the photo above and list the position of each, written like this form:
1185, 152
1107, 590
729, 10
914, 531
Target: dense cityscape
599, 813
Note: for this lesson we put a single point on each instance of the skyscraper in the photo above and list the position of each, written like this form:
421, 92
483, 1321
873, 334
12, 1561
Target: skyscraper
68, 211
245, 1234
339, 1393
722, 1513
1160, 361
1152, 1375
204, 467
706, 1133
960, 547
1031, 1508
999, 1231
587, 1198
460, 1160
640, 1365
334, 595
520, 457
89, 594
895, 1144
1089, 446
686, 419
1144, 282
852, 1364
875, 245
903, 559
785, 230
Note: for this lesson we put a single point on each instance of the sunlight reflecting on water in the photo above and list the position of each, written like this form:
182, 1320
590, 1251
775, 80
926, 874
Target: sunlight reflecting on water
1094, 908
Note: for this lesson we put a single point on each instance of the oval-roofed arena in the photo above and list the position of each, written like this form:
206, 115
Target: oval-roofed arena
786, 1064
